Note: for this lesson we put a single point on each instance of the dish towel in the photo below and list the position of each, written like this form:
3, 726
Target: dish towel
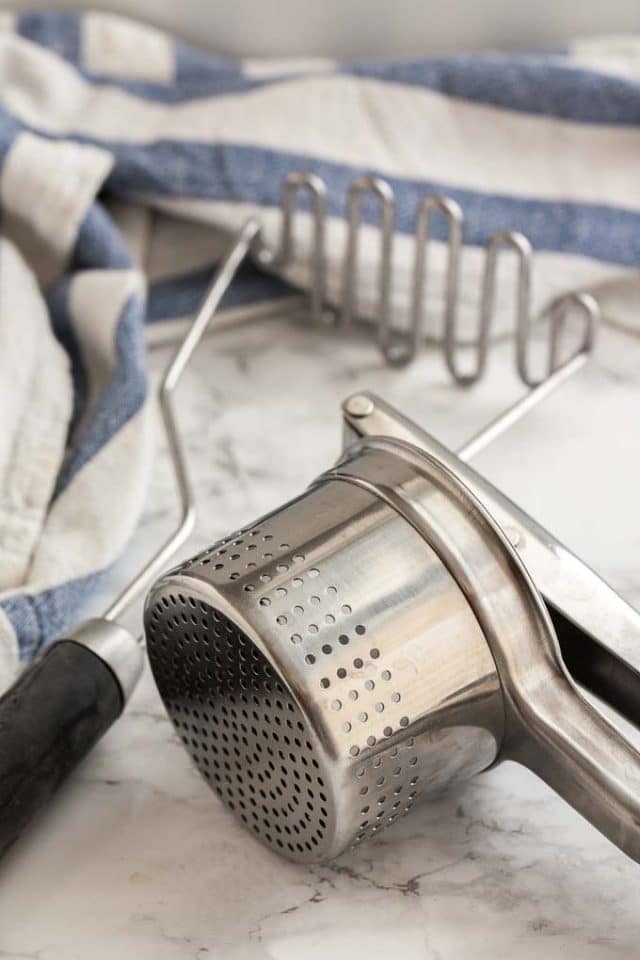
126, 157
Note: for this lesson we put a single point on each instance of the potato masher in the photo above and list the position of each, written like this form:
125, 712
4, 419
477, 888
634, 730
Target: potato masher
397, 627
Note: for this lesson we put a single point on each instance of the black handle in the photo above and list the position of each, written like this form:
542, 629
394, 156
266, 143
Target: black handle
49, 720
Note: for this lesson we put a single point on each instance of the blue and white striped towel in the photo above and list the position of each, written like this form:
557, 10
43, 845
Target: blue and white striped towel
115, 140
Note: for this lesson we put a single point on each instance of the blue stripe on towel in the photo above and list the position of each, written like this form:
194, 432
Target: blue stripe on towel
541, 88
545, 87
9, 130
99, 244
237, 173
252, 175
181, 296
39, 618
121, 398
541, 84
58, 32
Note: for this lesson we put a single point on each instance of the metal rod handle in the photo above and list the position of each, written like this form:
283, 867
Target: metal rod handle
223, 277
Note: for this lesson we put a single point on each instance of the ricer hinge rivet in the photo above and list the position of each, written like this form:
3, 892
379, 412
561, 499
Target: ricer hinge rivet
359, 405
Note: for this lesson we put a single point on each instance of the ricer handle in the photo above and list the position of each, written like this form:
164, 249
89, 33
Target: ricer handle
550, 727
584, 758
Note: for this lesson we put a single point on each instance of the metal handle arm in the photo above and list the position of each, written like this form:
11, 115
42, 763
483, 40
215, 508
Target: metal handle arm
583, 757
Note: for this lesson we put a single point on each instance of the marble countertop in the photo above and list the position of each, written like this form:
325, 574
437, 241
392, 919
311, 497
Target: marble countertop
136, 858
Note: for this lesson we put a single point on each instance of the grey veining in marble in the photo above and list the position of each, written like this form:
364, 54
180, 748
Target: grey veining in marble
136, 858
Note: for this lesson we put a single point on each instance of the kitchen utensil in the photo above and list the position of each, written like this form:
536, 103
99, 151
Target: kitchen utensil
63, 703
303, 208
398, 626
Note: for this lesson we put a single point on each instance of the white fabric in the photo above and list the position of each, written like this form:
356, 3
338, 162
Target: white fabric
113, 46
45, 189
36, 394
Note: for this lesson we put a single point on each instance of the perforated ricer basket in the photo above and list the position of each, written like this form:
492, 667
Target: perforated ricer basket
379, 637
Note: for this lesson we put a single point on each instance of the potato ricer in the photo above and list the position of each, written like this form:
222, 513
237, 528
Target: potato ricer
399, 626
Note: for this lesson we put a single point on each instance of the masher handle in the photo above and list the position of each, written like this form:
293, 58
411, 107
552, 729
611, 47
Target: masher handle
50, 718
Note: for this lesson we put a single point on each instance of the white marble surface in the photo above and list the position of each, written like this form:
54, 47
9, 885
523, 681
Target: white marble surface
137, 859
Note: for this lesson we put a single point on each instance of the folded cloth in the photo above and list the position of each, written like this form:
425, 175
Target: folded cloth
126, 157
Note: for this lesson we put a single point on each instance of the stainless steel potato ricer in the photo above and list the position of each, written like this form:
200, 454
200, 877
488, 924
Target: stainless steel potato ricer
398, 626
